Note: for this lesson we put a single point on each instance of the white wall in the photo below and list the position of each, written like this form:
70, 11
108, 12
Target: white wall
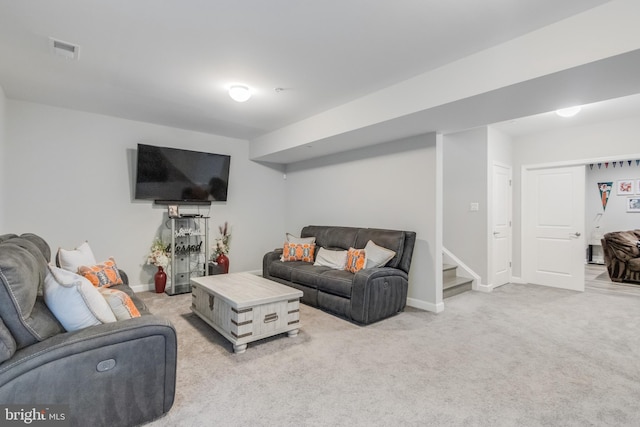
469, 157
615, 140
465, 182
71, 180
392, 185
3, 157
615, 216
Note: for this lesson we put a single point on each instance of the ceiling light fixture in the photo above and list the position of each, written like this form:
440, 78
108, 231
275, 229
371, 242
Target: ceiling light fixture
569, 112
239, 93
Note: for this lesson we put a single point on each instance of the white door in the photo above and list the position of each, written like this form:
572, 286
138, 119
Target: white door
553, 227
500, 239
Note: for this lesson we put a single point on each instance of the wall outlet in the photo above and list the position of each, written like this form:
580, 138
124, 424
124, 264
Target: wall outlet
474, 206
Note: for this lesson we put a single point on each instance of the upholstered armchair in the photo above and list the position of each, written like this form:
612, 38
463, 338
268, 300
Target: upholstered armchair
622, 255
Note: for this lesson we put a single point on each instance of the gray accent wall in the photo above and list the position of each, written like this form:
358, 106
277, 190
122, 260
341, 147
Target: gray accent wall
392, 185
71, 179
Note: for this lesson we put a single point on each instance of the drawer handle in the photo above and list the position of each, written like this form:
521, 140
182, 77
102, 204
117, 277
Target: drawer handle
210, 302
271, 317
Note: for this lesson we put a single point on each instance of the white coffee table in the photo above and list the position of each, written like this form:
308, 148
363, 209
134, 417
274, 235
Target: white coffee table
244, 307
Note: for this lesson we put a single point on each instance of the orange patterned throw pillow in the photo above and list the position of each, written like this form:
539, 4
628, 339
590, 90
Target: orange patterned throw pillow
355, 260
105, 274
121, 304
298, 252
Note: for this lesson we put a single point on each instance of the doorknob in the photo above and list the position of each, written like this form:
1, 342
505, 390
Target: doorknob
576, 234
495, 233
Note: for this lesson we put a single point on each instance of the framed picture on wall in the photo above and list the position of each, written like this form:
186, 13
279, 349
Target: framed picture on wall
633, 204
625, 187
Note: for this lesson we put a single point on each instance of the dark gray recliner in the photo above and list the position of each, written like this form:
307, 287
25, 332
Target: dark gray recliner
365, 297
113, 374
622, 255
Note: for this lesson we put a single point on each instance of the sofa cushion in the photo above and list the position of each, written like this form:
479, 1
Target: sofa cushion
332, 237
308, 274
7, 237
634, 264
377, 256
282, 270
336, 282
105, 274
7, 343
72, 259
390, 239
40, 243
35, 249
74, 301
24, 314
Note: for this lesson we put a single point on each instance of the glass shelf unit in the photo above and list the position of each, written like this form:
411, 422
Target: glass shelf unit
189, 252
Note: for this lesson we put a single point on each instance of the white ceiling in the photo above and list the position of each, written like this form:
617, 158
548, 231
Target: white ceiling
609, 110
170, 62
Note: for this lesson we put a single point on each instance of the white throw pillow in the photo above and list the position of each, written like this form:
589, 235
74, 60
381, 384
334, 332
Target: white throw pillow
74, 301
72, 259
376, 256
333, 259
300, 240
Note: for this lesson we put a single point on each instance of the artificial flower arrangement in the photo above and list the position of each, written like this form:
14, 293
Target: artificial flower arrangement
221, 246
158, 256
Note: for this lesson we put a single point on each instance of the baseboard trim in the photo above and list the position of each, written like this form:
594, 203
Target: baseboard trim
518, 280
484, 288
142, 288
424, 305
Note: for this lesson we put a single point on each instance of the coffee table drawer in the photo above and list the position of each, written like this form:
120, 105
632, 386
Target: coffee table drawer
263, 320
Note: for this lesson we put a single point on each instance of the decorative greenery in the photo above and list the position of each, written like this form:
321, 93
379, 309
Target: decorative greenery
222, 243
158, 255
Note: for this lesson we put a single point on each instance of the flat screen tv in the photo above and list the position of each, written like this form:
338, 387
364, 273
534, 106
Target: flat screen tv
172, 175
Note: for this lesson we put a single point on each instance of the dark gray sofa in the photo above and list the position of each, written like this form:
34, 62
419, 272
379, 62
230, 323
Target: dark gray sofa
113, 374
365, 297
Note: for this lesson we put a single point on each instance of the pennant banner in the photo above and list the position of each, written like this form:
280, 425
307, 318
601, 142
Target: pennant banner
605, 190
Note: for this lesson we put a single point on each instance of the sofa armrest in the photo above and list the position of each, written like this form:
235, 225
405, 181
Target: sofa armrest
268, 258
123, 275
378, 293
114, 374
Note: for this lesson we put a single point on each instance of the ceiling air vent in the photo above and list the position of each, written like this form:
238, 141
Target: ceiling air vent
64, 49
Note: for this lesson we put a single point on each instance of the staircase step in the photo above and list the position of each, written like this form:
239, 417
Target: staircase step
449, 271
456, 286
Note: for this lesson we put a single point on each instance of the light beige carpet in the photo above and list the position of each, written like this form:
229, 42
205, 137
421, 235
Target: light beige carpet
522, 355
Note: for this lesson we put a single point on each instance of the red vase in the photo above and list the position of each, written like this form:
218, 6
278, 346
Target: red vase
160, 280
223, 262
